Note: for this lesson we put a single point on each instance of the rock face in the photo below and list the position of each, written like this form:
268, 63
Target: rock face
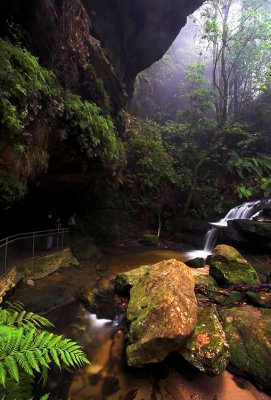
137, 32
133, 34
228, 266
252, 231
248, 333
207, 348
162, 311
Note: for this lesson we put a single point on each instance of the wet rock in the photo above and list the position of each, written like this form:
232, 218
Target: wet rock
126, 280
99, 301
197, 262
248, 334
83, 247
30, 282
262, 299
253, 231
162, 311
228, 267
110, 385
207, 348
149, 240
208, 282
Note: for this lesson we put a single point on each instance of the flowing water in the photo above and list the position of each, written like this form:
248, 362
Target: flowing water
243, 211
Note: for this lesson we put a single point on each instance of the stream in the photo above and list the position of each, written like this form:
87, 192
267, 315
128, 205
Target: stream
103, 338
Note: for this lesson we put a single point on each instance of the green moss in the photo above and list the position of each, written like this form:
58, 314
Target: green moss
207, 348
102, 91
126, 280
228, 266
230, 272
248, 333
149, 239
262, 299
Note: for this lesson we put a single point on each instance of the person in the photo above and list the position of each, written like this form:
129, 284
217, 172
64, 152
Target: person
72, 222
50, 226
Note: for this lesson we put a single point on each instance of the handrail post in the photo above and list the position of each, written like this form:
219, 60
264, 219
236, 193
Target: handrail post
57, 240
33, 245
6, 254
62, 239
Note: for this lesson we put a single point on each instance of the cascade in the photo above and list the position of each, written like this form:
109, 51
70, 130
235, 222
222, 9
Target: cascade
243, 211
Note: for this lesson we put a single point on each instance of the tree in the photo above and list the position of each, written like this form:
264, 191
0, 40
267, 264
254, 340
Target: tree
214, 163
238, 33
149, 175
26, 348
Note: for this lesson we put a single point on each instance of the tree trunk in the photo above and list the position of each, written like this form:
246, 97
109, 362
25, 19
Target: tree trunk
159, 224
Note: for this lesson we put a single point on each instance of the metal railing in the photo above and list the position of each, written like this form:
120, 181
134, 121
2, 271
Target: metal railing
26, 246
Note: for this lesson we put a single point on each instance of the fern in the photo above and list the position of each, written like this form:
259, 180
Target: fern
26, 349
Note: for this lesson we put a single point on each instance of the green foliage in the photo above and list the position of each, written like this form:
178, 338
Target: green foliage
26, 349
23, 80
95, 132
238, 34
11, 188
32, 104
150, 173
107, 106
197, 90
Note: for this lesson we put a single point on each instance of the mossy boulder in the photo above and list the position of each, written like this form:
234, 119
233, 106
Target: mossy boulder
249, 336
262, 299
197, 262
207, 348
253, 231
208, 282
149, 240
126, 280
162, 311
228, 267
83, 247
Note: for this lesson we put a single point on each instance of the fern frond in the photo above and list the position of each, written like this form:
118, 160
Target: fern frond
23, 347
31, 351
15, 316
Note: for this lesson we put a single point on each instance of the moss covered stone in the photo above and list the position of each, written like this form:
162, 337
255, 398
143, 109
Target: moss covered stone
249, 336
126, 280
207, 348
228, 267
149, 240
262, 299
208, 282
197, 262
162, 311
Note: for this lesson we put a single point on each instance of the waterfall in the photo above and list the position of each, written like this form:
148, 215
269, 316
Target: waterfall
243, 211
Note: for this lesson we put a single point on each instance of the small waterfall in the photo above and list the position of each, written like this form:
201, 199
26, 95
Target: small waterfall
243, 211
210, 240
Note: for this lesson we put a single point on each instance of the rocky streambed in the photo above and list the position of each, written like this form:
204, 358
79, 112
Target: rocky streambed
163, 342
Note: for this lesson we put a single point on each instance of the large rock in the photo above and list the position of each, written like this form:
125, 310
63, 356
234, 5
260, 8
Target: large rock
228, 267
262, 299
252, 231
207, 348
162, 311
249, 336
126, 280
